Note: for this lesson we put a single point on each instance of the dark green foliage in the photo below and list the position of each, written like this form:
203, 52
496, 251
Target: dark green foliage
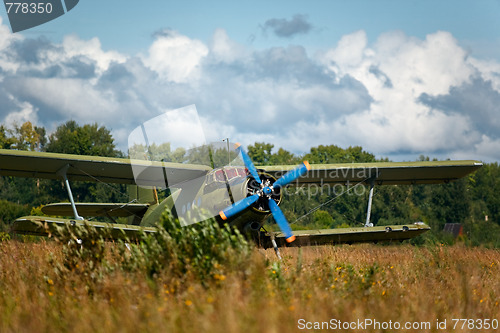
30, 191
484, 185
84, 251
260, 153
201, 251
83, 248
334, 154
9, 212
284, 157
322, 219
6, 141
72, 138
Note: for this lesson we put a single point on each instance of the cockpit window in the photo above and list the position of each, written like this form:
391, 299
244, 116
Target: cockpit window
231, 173
219, 176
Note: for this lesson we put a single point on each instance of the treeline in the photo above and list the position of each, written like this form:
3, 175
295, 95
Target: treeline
474, 201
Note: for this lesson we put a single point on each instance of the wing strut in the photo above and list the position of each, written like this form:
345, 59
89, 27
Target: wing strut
62, 172
370, 199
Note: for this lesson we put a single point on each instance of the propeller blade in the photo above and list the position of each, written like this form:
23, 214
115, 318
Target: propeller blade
281, 220
238, 206
249, 164
291, 175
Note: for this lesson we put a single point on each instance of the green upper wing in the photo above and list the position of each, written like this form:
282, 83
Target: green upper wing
118, 170
96, 168
384, 173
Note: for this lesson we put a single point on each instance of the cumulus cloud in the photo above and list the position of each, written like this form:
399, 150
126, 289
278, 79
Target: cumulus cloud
26, 113
91, 49
414, 84
223, 49
288, 28
400, 96
175, 57
476, 99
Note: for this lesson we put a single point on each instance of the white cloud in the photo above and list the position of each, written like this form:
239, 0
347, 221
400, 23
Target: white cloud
74, 47
73, 98
396, 71
488, 148
175, 57
224, 49
348, 55
431, 65
6, 37
489, 70
26, 113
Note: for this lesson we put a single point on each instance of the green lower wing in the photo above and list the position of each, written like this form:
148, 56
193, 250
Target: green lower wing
44, 226
96, 209
349, 235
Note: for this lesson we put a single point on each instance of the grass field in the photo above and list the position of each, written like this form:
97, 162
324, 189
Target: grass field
312, 287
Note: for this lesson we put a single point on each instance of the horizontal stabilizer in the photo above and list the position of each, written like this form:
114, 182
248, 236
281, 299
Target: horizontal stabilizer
389, 233
96, 209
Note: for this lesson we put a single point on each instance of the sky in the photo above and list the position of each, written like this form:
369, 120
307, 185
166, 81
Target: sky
399, 78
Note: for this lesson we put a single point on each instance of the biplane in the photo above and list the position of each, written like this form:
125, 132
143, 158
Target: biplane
234, 191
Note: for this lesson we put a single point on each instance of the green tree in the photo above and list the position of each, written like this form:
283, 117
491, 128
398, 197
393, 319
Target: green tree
92, 140
71, 138
283, 157
260, 153
10, 211
29, 137
335, 154
6, 140
322, 219
23, 190
484, 187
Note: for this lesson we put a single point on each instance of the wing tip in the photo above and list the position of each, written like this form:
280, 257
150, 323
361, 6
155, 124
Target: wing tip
222, 215
308, 166
290, 239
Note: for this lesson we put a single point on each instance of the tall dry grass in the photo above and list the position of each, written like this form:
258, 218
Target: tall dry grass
399, 283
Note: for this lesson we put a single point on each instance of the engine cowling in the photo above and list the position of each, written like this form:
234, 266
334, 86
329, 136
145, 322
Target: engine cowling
262, 204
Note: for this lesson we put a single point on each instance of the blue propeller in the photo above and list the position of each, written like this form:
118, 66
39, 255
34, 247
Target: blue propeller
249, 164
291, 175
280, 219
266, 191
239, 206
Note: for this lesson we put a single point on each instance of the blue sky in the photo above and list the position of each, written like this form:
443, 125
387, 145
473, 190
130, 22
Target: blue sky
128, 27
400, 78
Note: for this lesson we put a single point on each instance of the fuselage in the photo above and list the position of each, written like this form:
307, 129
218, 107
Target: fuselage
204, 198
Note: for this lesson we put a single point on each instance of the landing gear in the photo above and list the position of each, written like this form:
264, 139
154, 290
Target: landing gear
275, 246
258, 233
